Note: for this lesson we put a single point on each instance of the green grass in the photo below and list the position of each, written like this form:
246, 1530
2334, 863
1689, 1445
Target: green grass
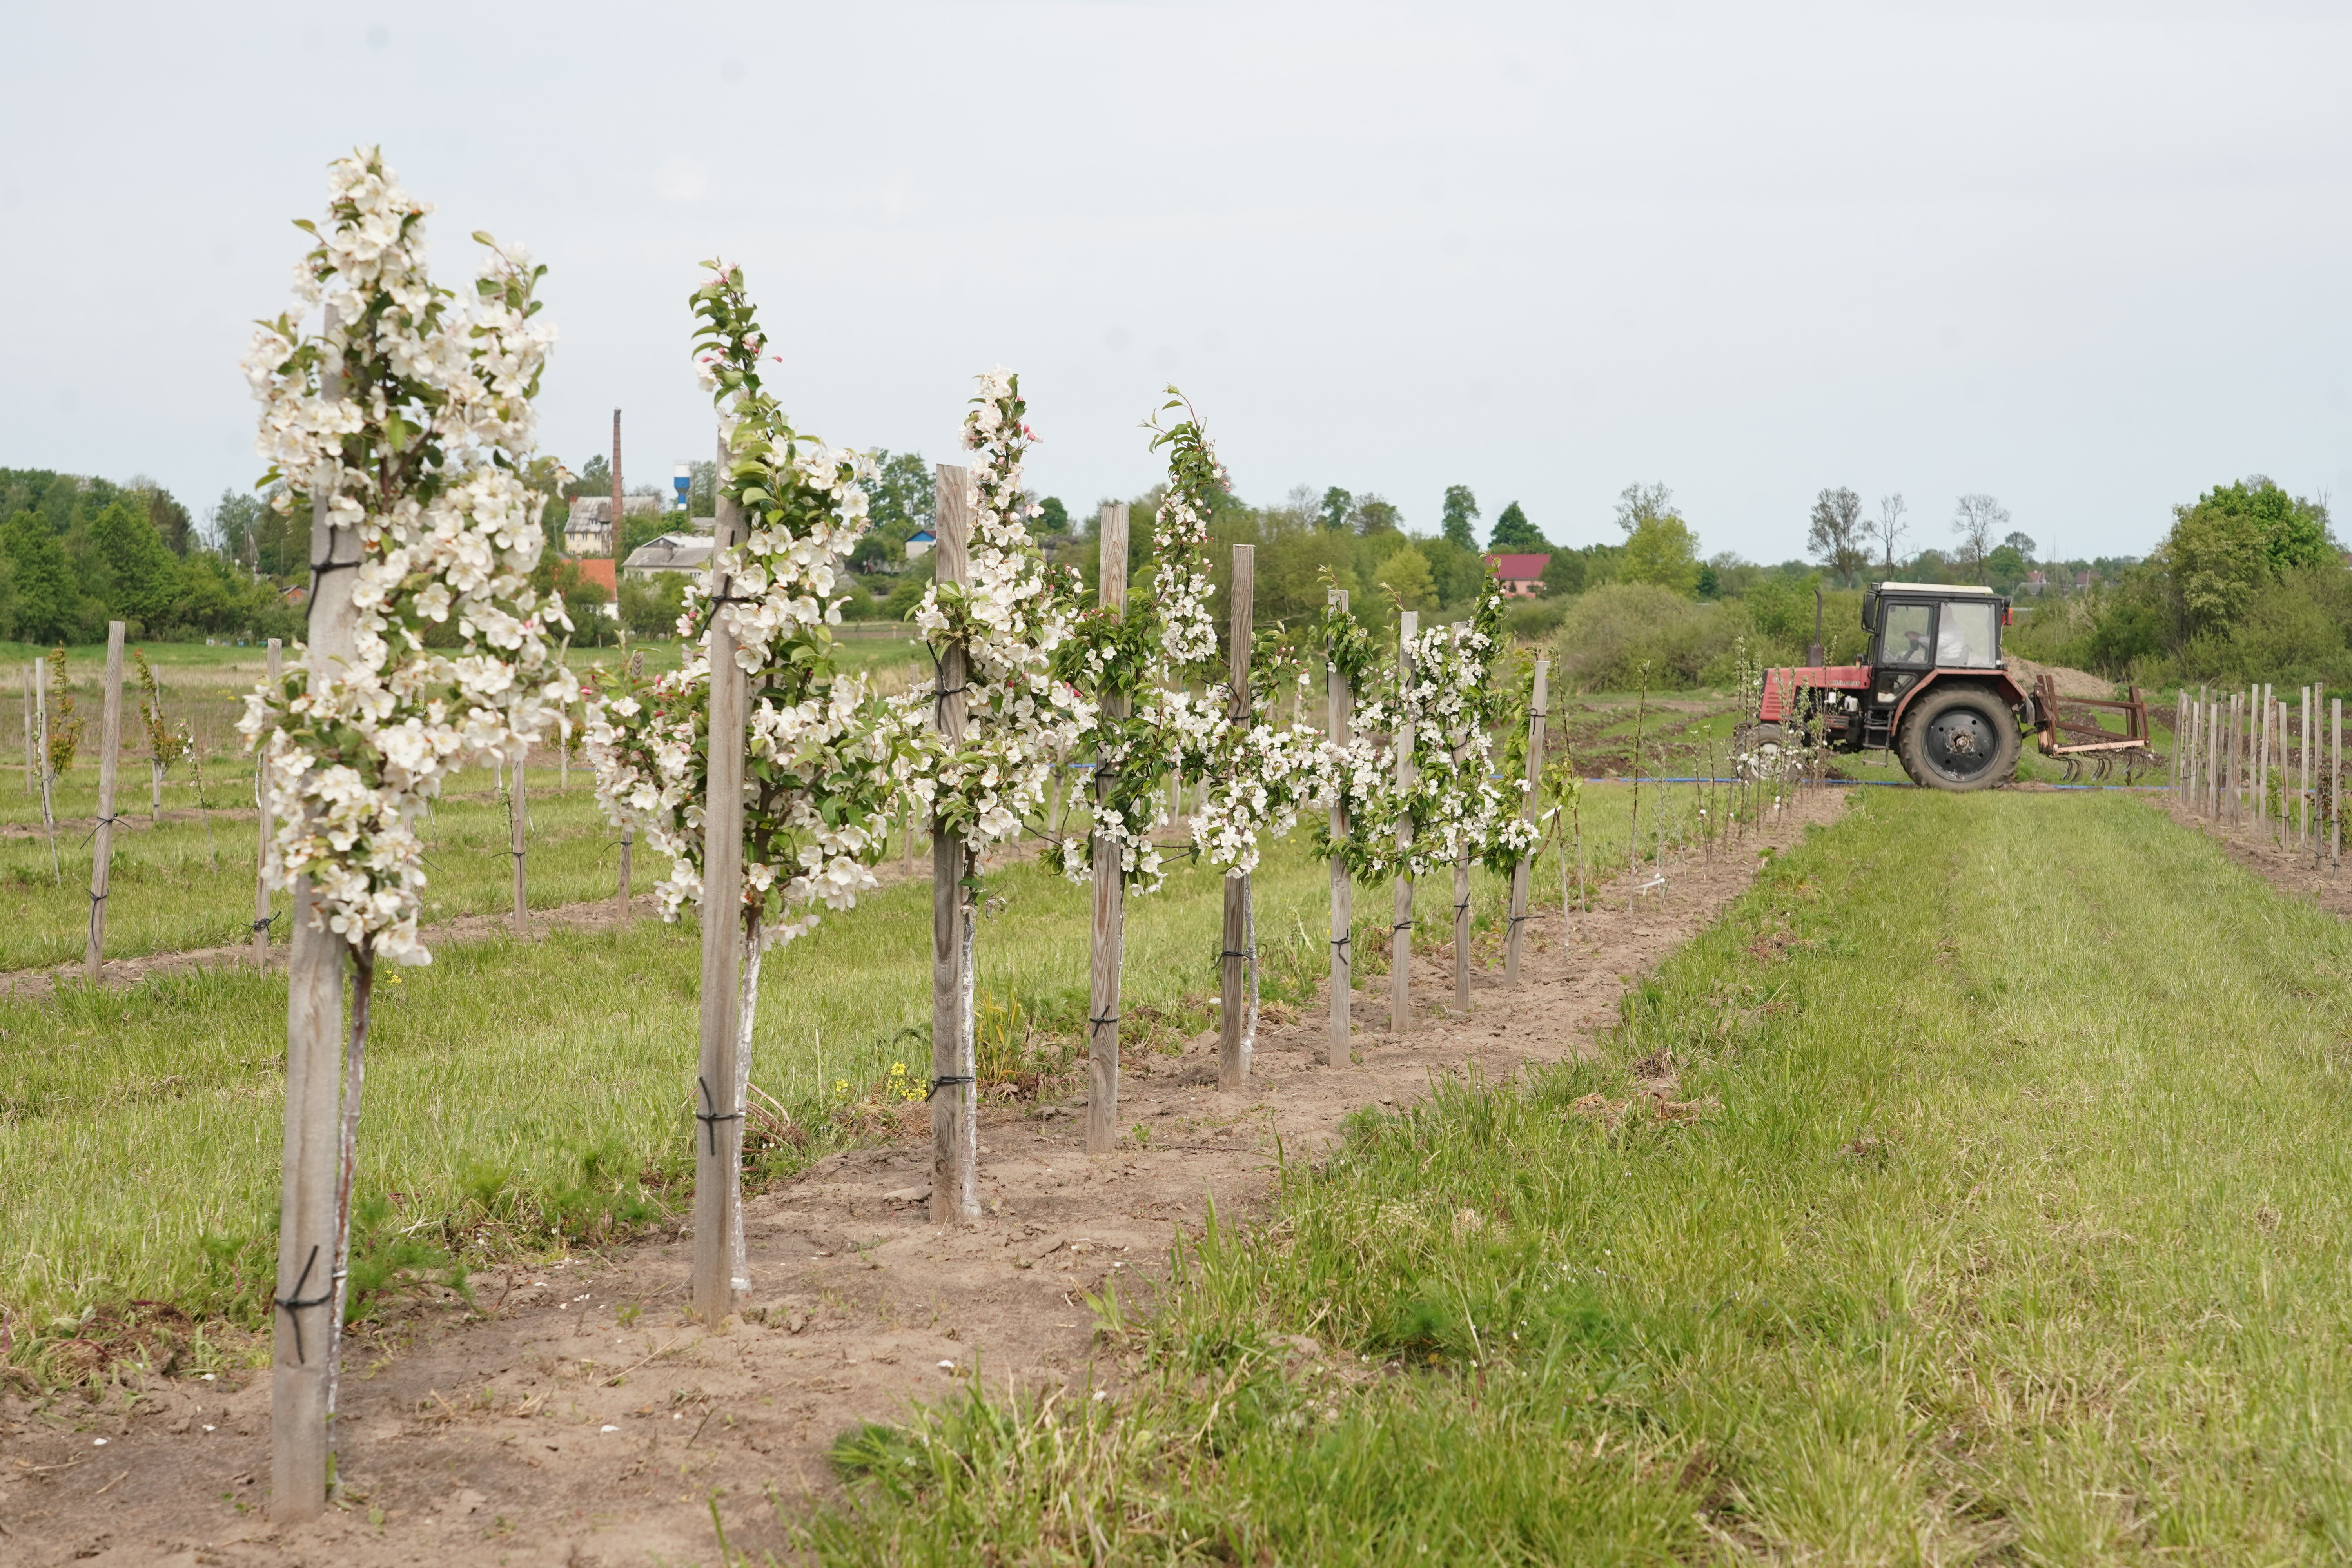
187, 884
517, 1093
2012, 1227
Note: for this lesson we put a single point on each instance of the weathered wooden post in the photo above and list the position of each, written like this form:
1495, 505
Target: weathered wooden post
2311, 732
955, 1096
261, 804
2336, 783
1401, 923
1340, 695
1536, 712
102, 861
636, 666
28, 730
2173, 773
2262, 764
304, 1327
718, 1153
1455, 632
1110, 931
49, 764
517, 810
1232, 1058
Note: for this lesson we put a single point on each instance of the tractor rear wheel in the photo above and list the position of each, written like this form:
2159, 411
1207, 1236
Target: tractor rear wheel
1960, 739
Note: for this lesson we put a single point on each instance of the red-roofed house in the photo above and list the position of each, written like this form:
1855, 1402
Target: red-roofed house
1521, 575
598, 569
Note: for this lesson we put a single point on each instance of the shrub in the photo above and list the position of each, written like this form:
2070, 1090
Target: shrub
1612, 631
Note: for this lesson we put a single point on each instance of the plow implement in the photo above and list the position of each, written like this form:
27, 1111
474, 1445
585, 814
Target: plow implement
2071, 731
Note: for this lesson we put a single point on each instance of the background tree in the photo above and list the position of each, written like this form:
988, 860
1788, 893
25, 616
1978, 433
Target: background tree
47, 604
1975, 523
1053, 517
1661, 551
139, 579
1513, 532
2022, 542
1461, 512
900, 498
1836, 537
1406, 574
1891, 528
1638, 504
1375, 515
595, 479
1339, 508
2233, 541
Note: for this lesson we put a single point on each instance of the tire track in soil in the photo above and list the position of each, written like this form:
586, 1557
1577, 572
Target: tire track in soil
548, 1429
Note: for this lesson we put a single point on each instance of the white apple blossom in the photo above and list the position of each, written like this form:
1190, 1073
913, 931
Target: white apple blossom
411, 421
1013, 614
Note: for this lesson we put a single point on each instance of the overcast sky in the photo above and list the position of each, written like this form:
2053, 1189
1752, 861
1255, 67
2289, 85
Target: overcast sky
2088, 258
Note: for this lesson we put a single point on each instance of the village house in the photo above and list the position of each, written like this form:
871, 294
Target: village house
1521, 575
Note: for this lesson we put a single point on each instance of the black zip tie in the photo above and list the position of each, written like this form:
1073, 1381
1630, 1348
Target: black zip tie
950, 1082
296, 1304
264, 925
710, 1117
1517, 918
317, 569
1402, 925
97, 822
1235, 953
1103, 1022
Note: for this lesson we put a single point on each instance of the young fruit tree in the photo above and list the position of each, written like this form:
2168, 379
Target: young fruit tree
823, 757
1135, 657
1003, 720
404, 422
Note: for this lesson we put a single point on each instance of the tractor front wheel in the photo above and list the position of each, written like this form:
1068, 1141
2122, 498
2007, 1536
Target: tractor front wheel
1958, 740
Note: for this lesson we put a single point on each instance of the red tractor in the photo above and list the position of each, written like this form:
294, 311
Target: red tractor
1933, 690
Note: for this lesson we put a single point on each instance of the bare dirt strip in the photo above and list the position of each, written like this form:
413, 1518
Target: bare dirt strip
2297, 871
580, 1417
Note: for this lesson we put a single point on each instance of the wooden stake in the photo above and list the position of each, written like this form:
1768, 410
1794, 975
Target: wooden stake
1110, 931
261, 803
1520, 873
955, 1101
28, 730
1233, 1056
2310, 779
2336, 783
1401, 927
304, 1328
2173, 774
2262, 758
636, 667
517, 816
1457, 632
1340, 696
48, 770
109, 754
718, 1118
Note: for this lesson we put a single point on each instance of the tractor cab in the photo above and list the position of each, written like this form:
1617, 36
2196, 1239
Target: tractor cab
1932, 690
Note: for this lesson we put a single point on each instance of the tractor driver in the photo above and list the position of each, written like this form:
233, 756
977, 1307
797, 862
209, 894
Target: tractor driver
1952, 643
1914, 647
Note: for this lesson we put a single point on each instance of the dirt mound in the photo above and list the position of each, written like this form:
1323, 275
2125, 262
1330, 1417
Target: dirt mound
2070, 683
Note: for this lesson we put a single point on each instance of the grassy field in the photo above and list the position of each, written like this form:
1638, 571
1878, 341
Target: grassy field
2001, 1217
521, 1095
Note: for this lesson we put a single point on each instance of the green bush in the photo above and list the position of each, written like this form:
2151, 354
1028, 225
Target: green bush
1611, 632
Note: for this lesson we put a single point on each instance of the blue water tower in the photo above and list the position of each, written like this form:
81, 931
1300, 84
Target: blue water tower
684, 480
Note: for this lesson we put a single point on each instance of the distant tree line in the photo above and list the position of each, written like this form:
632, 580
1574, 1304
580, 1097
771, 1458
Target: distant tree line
78, 551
